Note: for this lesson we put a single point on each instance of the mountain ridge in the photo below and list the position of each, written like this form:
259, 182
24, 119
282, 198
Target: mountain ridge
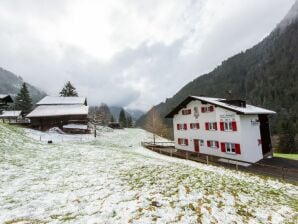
264, 75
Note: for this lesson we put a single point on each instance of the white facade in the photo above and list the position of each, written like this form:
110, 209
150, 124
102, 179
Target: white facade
234, 135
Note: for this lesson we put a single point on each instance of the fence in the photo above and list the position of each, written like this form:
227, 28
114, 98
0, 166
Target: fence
282, 172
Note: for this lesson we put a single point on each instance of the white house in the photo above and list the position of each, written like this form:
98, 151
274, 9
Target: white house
225, 128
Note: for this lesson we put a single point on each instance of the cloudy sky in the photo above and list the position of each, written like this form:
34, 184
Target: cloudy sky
131, 53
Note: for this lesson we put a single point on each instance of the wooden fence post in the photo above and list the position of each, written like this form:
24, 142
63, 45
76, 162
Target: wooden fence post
207, 158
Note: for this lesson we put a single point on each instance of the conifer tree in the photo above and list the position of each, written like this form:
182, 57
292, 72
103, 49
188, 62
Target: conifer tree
68, 90
112, 119
287, 137
129, 122
122, 119
23, 100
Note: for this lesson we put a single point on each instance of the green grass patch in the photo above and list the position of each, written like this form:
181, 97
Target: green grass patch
286, 156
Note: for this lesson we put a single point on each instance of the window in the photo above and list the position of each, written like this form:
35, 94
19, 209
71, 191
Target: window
212, 144
181, 127
194, 126
212, 126
186, 112
207, 109
232, 148
182, 141
201, 142
228, 126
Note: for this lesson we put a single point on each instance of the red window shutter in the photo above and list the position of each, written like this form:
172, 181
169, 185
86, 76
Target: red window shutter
189, 111
198, 125
207, 126
237, 149
179, 141
211, 108
217, 144
183, 112
203, 109
190, 126
215, 126
178, 128
186, 141
223, 147
234, 125
208, 143
222, 126
185, 126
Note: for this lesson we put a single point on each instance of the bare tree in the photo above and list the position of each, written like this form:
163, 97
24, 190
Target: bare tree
155, 124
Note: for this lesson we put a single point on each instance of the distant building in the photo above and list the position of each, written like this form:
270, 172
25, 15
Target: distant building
114, 125
58, 112
5, 100
11, 116
225, 128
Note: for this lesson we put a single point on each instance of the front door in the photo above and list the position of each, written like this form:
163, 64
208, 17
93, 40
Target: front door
197, 145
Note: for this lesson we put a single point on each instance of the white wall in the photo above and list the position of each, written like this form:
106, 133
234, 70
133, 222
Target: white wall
246, 135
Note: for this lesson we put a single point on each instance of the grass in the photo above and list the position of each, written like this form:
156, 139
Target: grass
286, 156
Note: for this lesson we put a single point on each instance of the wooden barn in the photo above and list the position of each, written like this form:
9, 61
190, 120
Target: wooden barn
58, 112
5, 100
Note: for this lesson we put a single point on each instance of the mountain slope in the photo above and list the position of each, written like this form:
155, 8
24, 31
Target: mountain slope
11, 84
265, 75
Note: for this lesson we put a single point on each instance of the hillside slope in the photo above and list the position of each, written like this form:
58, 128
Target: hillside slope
265, 75
11, 84
114, 180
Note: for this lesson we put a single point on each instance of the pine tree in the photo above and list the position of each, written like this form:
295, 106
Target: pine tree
112, 119
68, 90
122, 119
23, 100
287, 137
129, 122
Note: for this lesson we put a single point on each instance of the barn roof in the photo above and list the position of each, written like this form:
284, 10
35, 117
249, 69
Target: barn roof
58, 110
10, 114
58, 100
6, 97
248, 109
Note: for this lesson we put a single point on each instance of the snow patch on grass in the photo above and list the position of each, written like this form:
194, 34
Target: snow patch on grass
112, 179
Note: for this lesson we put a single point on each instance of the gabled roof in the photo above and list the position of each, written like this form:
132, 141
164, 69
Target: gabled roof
12, 113
58, 100
248, 109
6, 97
58, 110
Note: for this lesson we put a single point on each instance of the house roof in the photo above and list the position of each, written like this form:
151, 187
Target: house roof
11, 114
75, 126
248, 109
58, 110
58, 100
6, 97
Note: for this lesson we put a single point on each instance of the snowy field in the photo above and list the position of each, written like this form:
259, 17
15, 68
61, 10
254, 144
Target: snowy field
114, 180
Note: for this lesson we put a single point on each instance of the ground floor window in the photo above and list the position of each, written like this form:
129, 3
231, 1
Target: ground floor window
213, 144
230, 148
182, 141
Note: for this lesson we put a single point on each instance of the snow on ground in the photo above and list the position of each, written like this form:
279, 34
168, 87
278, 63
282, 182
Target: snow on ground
112, 179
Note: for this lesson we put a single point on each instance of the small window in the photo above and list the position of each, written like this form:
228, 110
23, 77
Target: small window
212, 126
230, 148
228, 126
201, 142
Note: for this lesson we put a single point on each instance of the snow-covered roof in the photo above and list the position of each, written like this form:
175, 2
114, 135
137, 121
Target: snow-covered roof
247, 109
11, 113
58, 100
7, 97
76, 126
58, 110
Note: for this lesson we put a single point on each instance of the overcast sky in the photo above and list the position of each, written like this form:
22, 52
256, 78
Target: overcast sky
131, 53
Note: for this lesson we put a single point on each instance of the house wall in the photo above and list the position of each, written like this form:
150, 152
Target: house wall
247, 135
